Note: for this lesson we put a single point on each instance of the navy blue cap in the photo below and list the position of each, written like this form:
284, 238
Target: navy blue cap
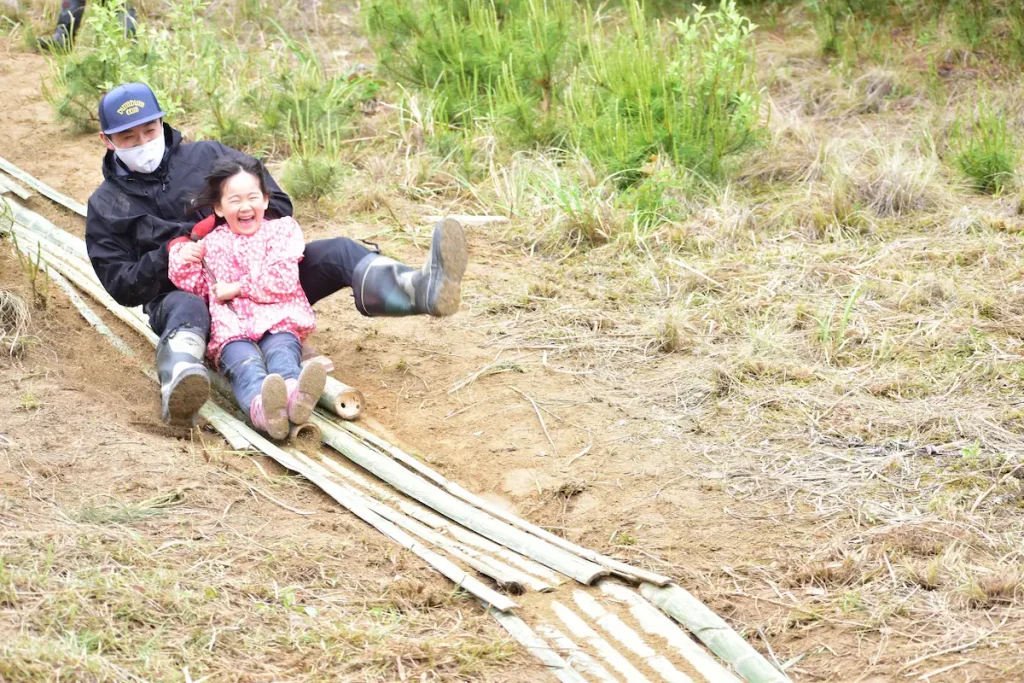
127, 106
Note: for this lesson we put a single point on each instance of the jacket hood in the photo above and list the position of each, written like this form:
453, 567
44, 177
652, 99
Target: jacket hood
172, 139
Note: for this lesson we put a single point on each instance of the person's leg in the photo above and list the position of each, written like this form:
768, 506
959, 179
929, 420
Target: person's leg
384, 287
283, 352
261, 395
327, 266
68, 22
183, 322
242, 363
178, 310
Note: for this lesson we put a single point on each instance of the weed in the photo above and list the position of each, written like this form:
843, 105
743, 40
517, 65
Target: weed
250, 99
831, 332
29, 401
927, 575
971, 20
15, 317
32, 268
1000, 586
126, 513
551, 73
987, 152
625, 538
669, 339
314, 171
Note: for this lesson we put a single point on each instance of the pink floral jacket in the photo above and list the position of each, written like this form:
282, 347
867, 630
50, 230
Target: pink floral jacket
266, 264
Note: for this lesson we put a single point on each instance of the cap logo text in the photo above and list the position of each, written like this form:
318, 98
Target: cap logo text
130, 107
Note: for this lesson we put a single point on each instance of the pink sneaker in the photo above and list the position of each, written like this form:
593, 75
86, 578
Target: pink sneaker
304, 392
269, 411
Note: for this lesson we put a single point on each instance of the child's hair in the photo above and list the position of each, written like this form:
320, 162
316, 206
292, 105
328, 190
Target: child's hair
223, 168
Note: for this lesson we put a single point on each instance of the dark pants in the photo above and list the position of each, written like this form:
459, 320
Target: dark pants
325, 268
246, 364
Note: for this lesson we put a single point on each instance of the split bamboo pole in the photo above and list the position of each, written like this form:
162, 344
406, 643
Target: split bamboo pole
634, 574
33, 220
629, 638
9, 185
506, 576
720, 638
604, 649
656, 623
444, 503
575, 655
218, 416
442, 524
342, 400
42, 188
537, 646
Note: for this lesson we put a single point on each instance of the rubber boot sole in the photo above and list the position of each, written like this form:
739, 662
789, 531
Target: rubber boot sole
275, 406
452, 255
310, 385
186, 398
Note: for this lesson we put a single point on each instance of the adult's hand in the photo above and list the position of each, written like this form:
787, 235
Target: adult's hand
204, 227
226, 291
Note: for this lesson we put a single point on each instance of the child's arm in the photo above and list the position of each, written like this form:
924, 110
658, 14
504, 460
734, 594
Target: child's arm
279, 279
185, 270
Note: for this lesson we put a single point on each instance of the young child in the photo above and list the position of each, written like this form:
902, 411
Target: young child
248, 270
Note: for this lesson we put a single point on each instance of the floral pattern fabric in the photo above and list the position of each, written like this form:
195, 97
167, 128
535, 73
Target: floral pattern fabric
266, 265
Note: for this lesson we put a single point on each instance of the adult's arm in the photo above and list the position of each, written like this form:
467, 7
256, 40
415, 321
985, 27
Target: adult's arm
132, 279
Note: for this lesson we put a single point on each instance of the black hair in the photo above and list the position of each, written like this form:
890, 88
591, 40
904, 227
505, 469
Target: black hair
226, 167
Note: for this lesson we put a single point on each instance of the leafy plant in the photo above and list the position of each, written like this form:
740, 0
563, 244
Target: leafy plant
550, 73
987, 152
246, 98
32, 267
314, 170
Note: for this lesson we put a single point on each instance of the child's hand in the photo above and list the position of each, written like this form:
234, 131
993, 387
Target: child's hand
192, 252
226, 291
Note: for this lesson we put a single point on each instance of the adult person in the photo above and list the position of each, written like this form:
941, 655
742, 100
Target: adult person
145, 204
69, 20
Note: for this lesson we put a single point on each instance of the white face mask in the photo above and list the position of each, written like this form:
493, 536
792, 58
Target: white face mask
144, 158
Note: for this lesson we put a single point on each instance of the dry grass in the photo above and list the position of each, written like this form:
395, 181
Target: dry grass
15, 318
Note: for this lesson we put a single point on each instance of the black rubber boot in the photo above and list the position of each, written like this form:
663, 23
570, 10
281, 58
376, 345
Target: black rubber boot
385, 287
184, 380
68, 21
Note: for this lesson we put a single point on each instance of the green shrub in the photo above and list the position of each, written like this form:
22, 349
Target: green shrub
248, 99
549, 73
686, 93
79, 78
971, 21
987, 152
506, 60
314, 170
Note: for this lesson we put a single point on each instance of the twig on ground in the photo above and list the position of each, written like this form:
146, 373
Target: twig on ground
540, 417
255, 489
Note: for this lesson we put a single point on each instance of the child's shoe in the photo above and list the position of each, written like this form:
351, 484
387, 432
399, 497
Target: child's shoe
304, 392
269, 410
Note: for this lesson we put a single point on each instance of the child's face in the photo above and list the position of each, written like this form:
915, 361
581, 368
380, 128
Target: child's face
242, 203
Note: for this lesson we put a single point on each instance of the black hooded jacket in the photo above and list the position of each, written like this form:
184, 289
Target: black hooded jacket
132, 216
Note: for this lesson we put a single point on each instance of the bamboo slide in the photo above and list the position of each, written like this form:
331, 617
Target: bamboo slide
613, 632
